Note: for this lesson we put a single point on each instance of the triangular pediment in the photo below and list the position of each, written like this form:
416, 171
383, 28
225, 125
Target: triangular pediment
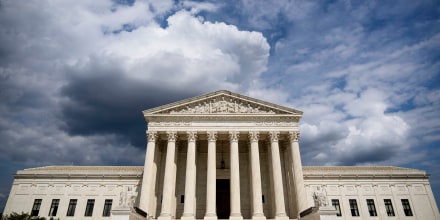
221, 102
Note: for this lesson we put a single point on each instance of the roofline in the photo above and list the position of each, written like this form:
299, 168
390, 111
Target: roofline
226, 92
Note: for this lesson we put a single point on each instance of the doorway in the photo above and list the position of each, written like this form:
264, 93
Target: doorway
223, 198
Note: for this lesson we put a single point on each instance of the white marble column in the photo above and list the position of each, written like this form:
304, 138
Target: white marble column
149, 175
235, 177
280, 208
169, 182
257, 201
189, 206
211, 178
297, 171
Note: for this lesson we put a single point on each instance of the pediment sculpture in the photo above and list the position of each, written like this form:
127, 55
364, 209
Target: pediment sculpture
222, 106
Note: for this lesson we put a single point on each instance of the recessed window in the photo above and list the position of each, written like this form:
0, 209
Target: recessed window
371, 207
406, 207
54, 207
353, 207
89, 207
262, 198
36, 207
389, 207
335, 203
107, 207
182, 198
71, 208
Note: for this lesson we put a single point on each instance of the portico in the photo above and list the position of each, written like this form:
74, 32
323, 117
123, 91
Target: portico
249, 144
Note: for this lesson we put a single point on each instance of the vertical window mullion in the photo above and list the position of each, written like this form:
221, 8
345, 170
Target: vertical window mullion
371, 207
54, 207
36, 207
72, 207
107, 207
406, 207
335, 203
353, 207
389, 207
89, 207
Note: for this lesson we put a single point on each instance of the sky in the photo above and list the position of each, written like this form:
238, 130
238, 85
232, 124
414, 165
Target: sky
75, 76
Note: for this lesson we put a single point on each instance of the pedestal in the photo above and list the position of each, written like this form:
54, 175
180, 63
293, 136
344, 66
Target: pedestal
236, 217
207, 217
187, 218
285, 217
258, 217
321, 213
121, 213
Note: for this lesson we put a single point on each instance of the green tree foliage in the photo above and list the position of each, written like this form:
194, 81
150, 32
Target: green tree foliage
22, 216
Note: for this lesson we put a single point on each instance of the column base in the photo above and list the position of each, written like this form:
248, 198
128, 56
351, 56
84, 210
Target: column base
165, 217
188, 217
282, 217
258, 217
236, 217
210, 217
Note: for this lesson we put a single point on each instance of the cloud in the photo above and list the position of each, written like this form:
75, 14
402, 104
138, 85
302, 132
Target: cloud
81, 81
75, 76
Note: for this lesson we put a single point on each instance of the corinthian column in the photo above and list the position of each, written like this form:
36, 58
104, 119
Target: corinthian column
235, 178
296, 170
149, 175
190, 180
257, 202
280, 209
169, 182
211, 178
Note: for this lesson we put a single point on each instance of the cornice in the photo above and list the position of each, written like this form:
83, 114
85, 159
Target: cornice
78, 172
362, 172
202, 104
135, 172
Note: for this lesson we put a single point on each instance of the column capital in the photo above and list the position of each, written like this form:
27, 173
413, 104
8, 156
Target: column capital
212, 136
234, 135
172, 136
273, 135
151, 136
254, 136
192, 136
293, 136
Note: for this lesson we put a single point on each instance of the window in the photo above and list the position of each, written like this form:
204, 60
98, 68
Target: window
406, 207
54, 207
71, 208
107, 207
371, 207
182, 199
36, 207
389, 207
335, 203
354, 207
89, 207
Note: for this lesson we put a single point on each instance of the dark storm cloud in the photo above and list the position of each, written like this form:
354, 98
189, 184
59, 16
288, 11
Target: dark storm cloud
364, 156
102, 100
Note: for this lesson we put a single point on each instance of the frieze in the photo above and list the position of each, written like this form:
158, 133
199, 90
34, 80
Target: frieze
259, 120
275, 123
169, 124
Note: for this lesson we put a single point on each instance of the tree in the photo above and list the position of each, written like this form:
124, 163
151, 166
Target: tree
22, 216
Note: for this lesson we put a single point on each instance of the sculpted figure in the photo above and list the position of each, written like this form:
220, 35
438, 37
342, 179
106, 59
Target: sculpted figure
123, 198
320, 197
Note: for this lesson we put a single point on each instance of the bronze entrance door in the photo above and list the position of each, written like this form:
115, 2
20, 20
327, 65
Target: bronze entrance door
223, 198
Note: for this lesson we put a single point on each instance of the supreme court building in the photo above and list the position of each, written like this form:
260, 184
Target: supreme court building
223, 156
